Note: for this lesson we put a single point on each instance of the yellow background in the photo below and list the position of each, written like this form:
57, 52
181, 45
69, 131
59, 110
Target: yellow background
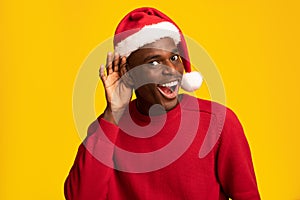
255, 45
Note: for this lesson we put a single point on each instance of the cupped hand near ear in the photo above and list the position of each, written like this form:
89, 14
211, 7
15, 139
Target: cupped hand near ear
118, 86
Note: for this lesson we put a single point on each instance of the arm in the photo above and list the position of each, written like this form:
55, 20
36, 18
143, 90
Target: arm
118, 87
234, 164
90, 174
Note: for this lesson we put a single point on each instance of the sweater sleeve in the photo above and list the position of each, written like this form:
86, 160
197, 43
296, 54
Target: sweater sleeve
90, 174
234, 163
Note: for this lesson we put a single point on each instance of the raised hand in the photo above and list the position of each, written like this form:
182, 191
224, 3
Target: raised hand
117, 85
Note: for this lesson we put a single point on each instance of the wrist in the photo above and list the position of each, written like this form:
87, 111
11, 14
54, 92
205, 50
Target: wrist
113, 116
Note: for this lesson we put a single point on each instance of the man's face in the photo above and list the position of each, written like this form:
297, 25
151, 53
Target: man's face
158, 71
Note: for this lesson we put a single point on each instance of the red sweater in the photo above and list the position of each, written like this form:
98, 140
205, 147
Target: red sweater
198, 150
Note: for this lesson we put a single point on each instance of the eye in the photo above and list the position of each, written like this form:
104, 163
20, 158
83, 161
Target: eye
154, 62
174, 58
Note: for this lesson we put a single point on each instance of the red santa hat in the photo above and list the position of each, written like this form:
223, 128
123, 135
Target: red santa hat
146, 25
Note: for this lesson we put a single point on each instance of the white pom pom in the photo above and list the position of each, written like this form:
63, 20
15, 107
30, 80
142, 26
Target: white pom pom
191, 81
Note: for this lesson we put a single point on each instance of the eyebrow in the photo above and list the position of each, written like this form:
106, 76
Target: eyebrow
175, 51
151, 57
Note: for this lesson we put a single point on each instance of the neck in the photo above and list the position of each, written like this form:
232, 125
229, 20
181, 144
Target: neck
149, 109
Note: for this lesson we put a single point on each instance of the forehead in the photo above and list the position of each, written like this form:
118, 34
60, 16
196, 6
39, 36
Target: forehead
166, 44
160, 48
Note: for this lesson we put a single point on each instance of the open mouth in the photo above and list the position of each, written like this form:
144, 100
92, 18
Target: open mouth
169, 90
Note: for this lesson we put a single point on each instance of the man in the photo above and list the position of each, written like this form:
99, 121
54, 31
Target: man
152, 147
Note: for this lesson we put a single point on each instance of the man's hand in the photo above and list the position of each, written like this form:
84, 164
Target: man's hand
117, 85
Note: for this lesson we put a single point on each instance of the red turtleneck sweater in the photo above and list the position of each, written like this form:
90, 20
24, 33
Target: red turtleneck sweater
197, 150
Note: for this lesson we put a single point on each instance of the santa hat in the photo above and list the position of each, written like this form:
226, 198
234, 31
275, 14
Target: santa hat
146, 25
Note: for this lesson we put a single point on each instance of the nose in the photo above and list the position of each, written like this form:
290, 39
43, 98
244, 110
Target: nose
169, 67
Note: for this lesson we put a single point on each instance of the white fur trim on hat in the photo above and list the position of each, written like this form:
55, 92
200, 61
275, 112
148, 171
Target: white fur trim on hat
147, 35
191, 81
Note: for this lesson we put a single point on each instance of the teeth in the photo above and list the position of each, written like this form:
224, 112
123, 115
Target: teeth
173, 83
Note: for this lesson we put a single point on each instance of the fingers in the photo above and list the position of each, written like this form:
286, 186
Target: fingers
101, 73
113, 62
109, 64
116, 67
123, 66
116, 62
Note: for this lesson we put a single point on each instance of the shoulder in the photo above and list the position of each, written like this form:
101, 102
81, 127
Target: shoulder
206, 106
222, 125
223, 118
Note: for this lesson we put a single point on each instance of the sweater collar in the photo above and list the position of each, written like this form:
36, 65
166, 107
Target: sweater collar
173, 113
